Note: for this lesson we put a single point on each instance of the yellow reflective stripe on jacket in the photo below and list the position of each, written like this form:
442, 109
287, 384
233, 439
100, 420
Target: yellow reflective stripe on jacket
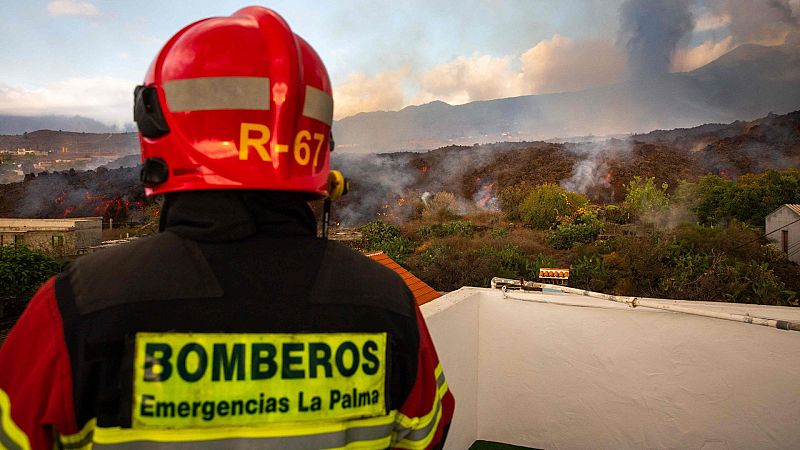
372, 432
11, 436
417, 432
82, 440
394, 429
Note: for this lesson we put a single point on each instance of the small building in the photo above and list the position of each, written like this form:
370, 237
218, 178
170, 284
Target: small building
58, 237
783, 230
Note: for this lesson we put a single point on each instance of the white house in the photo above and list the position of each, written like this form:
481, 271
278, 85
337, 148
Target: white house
783, 230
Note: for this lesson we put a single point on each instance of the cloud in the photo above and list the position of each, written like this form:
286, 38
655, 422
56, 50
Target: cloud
559, 64
466, 79
767, 22
711, 21
383, 91
72, 8
104, 98
562, 64
687, 59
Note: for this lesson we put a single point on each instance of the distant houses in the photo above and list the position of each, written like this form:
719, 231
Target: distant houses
783, 230
58, 237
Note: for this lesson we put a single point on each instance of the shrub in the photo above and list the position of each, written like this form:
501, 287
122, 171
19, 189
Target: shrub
565, 236
548, 204
398, 249
590, 272
453, 228
510, 199
540, 261
441, 207
499, 232
751, 282
22, 271
615, 214
447, 268
713, 195
379, 235
511, 262
686, 270
644, 198
748, 200
755, 196
584, 229
375, 233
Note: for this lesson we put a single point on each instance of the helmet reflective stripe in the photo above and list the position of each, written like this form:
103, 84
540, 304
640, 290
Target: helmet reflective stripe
318, 105
202, 94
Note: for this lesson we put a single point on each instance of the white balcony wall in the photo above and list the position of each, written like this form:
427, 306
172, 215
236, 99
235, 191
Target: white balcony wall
603, 375
453, 323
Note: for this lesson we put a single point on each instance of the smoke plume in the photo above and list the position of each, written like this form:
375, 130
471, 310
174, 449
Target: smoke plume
650, 31
395, 186
112, 194
767, 22
591, 174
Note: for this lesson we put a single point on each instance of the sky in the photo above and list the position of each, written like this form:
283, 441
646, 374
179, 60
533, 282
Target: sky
83, 57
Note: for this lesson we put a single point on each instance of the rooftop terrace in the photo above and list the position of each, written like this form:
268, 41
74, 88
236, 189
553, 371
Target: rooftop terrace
567, 371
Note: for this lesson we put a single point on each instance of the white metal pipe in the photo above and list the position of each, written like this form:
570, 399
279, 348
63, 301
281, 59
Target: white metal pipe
649, 303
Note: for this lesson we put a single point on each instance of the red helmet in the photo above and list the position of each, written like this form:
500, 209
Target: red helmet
237, 102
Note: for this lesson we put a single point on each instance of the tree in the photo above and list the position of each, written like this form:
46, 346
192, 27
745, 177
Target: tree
511, 197
645, 198
549, 204
22, 271
377, 235
750, 199
755, 196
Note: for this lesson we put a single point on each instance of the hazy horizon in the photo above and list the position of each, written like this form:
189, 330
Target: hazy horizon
83, 57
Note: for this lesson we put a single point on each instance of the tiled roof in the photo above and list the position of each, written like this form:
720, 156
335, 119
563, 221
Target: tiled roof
795, 208
422, 292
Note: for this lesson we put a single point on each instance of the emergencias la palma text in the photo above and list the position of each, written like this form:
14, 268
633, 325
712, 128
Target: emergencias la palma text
209, 409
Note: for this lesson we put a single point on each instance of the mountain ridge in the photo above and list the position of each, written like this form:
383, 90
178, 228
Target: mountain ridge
746, 83
15, 124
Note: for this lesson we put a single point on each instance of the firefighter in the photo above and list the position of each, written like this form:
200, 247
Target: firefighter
234, 326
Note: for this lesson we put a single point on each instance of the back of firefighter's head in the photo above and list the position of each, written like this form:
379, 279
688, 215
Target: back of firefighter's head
237, 102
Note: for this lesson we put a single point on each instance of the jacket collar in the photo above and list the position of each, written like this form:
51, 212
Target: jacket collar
229, 215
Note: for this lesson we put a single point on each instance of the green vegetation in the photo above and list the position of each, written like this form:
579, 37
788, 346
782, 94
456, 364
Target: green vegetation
379, 235
749, 199
548, 205
583, 230
453, 228
643, 198
699, 241
22, 271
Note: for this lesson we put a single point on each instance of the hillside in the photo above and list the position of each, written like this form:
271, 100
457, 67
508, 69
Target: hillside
25, 124
746, 83
114, 193
389, 185
50, 140
392, 185
459, 215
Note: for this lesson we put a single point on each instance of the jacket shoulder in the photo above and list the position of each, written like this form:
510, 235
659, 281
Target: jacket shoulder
159, 267
348, 277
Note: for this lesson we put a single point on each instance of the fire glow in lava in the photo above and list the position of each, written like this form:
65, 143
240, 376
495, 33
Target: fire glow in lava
115, 208
486, 197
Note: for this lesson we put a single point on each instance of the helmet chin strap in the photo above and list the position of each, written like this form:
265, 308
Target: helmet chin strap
326, 217
338, 186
